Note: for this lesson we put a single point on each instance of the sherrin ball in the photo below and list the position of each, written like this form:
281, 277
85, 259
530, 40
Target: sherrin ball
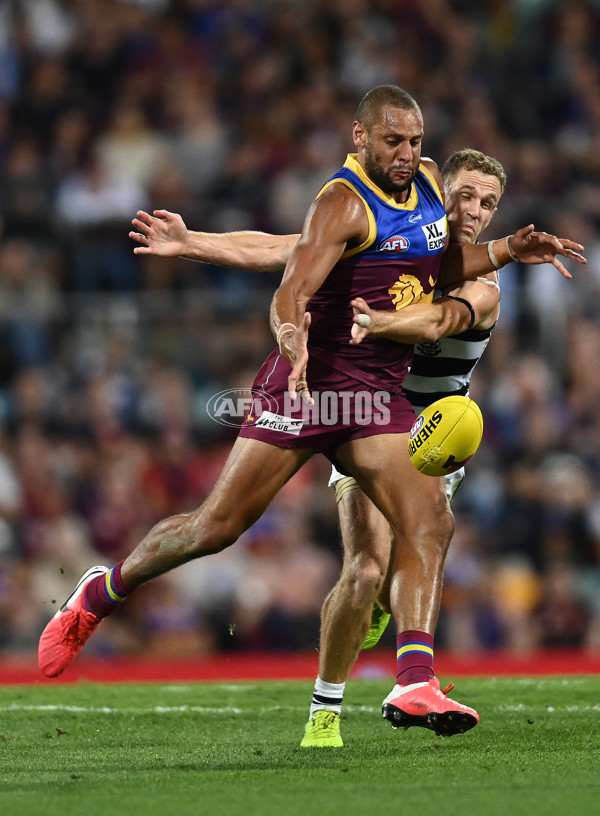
445, 435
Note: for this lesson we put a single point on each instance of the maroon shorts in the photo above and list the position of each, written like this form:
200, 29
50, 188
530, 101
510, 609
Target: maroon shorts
344, 409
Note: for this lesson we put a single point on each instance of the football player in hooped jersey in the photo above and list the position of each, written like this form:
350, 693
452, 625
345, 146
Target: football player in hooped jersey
338, 245
458, 326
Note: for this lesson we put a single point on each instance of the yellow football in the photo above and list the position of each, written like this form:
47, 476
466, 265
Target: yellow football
445, 435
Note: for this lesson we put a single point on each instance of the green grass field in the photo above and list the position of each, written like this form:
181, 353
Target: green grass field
234, 749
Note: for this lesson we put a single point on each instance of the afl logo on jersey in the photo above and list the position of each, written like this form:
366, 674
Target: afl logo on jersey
397, 243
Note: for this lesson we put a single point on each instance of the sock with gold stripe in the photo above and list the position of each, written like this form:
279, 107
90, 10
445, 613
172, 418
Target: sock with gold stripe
103, 594
414, 657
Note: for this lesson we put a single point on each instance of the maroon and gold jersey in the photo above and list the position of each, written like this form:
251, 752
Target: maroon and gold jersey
357, 389
396, 266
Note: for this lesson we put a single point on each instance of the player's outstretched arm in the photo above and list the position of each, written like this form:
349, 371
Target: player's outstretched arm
165, 235
465, 261
473, 303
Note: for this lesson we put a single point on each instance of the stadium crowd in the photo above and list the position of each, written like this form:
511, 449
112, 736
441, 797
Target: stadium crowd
233, 114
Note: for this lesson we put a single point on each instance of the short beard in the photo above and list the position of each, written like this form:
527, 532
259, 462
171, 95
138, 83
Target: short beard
375, 172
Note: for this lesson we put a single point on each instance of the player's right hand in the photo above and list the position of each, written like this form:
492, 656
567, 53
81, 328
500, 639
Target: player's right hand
163, 233
294, 346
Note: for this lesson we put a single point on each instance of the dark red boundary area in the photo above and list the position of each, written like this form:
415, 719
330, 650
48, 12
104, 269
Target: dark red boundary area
293, 666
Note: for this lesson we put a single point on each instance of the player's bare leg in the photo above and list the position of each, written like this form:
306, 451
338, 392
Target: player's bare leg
417, 510
383, 599
380, 611
422, 525
253, 474
346, 612
347, 609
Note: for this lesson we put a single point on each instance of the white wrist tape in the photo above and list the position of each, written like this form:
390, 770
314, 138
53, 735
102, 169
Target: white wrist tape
283, 330
510, 252
492, 257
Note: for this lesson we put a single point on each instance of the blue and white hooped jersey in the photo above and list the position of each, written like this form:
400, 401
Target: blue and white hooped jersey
444, 368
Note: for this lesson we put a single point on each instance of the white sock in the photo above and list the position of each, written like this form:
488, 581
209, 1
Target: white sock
327, 696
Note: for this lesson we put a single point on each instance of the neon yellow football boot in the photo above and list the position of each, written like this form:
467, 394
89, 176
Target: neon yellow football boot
379, 621
322, 731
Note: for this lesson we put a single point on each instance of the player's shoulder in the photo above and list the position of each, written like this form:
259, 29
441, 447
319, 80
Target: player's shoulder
340, 195
432, 171
339, 213
338, 186
429, 163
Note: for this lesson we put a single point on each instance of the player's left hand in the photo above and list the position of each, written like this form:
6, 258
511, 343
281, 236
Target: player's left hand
362, 320
533, 247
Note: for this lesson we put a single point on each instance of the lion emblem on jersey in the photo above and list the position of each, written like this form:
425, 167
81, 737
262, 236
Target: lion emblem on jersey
407, 290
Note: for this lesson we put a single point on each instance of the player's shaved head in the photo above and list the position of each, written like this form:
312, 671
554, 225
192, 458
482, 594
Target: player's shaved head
384, 96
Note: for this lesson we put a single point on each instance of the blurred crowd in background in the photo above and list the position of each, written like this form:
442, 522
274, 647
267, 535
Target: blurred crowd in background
233, 113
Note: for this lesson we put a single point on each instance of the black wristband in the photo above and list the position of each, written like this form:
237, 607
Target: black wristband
468, 305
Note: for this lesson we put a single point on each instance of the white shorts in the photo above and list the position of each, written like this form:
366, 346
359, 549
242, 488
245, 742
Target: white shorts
452, 481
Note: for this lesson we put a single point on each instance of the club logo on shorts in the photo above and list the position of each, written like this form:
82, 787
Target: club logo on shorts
277, 422
235, 407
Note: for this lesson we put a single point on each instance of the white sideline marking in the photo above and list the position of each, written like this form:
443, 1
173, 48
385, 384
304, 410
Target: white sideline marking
571, 709
185, 709
108, 710
194, 709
